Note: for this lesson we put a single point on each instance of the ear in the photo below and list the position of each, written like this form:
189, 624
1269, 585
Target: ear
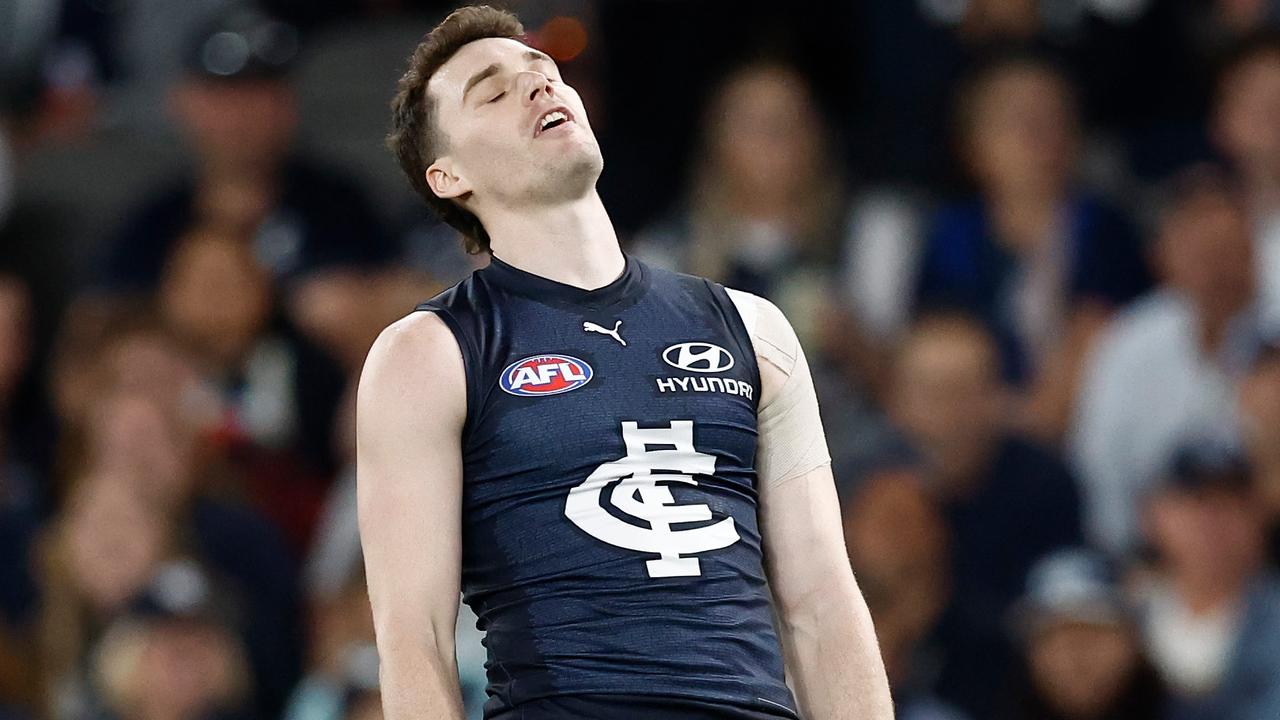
445, 181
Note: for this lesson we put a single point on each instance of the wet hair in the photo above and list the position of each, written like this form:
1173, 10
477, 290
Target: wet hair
415, 139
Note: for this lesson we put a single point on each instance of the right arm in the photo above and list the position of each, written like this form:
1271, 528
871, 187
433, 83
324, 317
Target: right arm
411, 406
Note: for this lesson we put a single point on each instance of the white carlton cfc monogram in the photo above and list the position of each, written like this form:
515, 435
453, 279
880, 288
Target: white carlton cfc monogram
639, 495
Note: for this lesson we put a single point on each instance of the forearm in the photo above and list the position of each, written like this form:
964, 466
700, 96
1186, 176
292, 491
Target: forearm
419, 685
833, 659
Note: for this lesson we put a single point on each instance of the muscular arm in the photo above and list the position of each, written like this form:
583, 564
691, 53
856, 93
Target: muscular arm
833, 660
409, 417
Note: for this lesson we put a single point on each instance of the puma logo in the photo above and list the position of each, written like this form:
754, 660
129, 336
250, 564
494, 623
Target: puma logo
592, 327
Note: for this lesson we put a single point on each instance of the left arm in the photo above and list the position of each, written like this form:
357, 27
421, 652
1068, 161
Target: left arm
833, 659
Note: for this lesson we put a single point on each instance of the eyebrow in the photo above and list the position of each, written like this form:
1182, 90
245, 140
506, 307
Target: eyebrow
494, 68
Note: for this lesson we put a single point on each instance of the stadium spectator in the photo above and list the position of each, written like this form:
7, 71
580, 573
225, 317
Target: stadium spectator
149, 418
765, 209
1210, 608
215, 298
1006, 500
96, 556
240, 115
1165, 371
1081, 650
175, 654
1039, 258
897, 540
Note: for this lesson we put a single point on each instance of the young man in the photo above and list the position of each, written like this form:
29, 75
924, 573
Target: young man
605, 457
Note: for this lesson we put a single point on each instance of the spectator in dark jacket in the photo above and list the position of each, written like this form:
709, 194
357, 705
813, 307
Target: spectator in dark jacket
1039, 259
1006, 500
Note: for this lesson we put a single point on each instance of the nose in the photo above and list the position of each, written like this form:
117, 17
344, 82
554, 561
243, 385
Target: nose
531, 84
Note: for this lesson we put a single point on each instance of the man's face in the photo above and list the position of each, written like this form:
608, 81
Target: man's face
1207, 253
214, 294
491, 101
1081, 668
947, 397
1209, 532
1024, 131
766, 132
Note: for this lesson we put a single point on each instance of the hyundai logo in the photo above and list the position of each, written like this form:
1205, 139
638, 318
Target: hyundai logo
698, 357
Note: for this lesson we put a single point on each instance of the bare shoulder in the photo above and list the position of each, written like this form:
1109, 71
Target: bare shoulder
776, 346
415, 359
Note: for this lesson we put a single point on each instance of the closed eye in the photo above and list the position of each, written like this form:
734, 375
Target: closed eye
498, 96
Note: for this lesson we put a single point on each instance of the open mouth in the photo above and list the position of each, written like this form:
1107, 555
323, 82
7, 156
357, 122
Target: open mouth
552, 119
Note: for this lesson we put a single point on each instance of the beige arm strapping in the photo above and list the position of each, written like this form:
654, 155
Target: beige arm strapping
791, 438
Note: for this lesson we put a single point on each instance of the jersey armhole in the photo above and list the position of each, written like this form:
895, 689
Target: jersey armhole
748, 310
740, 311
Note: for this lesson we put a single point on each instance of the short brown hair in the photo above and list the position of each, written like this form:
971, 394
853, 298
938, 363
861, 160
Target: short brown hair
414, 138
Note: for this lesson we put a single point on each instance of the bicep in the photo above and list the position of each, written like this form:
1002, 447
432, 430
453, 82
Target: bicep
410, 409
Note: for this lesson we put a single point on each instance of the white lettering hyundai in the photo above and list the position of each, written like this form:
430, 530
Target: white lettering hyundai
701, 357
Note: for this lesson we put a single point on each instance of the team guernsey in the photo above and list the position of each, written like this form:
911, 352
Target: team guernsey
611, 545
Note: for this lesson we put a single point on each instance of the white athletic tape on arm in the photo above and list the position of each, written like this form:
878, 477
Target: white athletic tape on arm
792, 441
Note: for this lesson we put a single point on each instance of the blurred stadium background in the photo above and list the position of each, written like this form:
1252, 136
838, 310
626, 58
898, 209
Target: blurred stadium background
1032, 247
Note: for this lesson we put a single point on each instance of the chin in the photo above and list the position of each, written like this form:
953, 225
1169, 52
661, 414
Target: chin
573, 172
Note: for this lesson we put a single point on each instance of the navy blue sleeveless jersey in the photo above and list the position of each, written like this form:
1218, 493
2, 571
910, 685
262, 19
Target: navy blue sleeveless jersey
611, 545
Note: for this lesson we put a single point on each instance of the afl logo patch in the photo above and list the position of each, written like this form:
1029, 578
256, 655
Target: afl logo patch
545, 375
700, 357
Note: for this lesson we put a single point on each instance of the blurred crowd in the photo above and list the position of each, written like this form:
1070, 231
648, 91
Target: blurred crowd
1032, 248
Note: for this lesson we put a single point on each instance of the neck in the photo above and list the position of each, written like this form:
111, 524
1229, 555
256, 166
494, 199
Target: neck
572, 243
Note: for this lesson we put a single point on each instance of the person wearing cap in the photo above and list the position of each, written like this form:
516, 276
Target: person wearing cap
236, 108
308, 228
1082, 655
175, 653
1209, 606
